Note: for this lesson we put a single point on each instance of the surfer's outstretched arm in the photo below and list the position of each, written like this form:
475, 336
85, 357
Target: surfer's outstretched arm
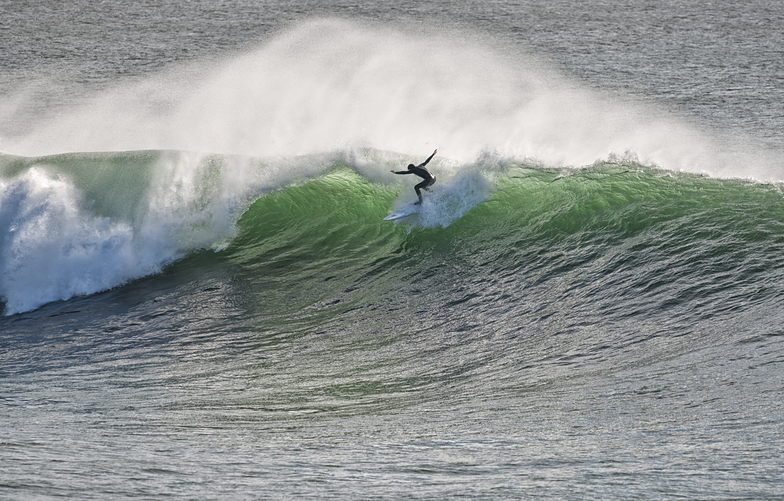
428, 158
401, 172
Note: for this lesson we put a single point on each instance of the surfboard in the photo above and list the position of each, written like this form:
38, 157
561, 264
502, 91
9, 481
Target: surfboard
406, 211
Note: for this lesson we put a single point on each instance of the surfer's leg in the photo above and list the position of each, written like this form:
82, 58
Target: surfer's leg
423, 184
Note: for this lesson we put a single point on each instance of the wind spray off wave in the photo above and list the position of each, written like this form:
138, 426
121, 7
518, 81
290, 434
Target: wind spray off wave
329, 84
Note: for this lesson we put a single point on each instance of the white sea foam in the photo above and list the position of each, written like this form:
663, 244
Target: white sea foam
54, 245
450, 200
51, 249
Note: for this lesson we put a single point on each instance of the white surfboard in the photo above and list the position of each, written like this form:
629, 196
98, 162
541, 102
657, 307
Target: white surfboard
405, 211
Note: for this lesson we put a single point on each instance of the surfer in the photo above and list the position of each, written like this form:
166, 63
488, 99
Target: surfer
419, 170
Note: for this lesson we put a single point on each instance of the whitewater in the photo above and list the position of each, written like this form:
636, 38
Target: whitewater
201, 299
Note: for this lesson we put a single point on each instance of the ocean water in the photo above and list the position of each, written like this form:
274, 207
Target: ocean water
201, 300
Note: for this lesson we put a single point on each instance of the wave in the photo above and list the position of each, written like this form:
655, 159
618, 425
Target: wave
76, 224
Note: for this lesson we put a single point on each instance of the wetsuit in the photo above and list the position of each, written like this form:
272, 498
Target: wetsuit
419, 170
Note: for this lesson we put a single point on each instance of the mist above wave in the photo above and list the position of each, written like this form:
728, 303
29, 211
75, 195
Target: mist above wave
326, 85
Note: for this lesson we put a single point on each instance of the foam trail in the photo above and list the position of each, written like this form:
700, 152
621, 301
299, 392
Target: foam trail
329, 85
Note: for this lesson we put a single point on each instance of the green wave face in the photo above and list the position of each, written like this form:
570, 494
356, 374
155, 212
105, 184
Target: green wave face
620, 243
329, 230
